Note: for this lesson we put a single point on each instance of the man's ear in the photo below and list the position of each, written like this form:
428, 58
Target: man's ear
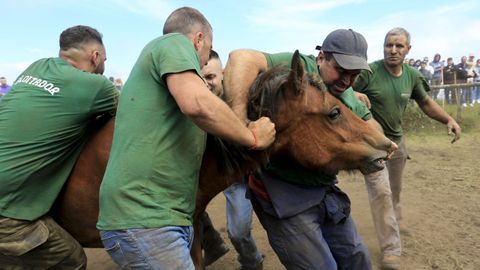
95, 58
198, 39
320, 58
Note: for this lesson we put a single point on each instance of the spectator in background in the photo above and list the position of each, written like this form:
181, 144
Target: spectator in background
417, 64
118, 83
411, 62
4, 87
471, 58
461, 71
428, 66
425, 71
449, 77
437, 76
469, 90
476, 91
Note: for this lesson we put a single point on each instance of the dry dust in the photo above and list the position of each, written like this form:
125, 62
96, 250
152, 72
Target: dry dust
441, 204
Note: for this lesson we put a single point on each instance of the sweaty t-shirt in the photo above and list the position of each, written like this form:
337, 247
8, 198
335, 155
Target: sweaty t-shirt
43, 120
389, 95
152, 174
301, 175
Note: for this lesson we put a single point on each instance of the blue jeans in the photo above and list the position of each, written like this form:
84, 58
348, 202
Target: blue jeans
166, 248
313, 240
239, 225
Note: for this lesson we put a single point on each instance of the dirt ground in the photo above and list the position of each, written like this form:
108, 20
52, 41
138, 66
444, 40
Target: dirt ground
441, 202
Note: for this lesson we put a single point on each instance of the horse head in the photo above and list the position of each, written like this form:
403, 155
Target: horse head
315, 130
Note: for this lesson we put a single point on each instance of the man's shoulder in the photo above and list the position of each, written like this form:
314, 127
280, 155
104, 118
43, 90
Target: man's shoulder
376, 65
285, 59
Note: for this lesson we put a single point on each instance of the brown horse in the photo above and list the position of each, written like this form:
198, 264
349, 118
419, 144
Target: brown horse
314, 130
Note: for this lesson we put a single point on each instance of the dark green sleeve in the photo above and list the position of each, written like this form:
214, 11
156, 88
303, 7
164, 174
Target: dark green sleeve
276, 59
362, 81
420, 88
106, 99
359, 108
175, 54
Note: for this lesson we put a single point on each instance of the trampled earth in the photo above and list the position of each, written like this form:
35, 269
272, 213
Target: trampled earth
441, 206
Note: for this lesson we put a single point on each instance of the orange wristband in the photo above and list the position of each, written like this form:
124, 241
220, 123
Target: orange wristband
255, 141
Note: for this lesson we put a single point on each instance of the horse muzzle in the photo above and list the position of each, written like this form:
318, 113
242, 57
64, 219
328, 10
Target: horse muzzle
373, 165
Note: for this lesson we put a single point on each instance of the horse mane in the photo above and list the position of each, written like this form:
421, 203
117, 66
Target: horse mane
264, 96
261, 101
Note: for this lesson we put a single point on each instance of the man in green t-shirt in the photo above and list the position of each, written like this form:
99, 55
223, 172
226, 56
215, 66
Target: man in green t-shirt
306, 216
147, 197
43, 126
386, 90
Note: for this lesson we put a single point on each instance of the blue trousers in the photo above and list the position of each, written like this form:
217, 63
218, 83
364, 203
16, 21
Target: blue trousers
166, 248
313, 240
239, 225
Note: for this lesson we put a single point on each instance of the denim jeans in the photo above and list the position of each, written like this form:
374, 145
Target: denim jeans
239, 225
166, 248
312, 240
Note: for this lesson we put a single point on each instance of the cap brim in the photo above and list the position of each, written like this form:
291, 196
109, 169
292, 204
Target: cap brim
351, 62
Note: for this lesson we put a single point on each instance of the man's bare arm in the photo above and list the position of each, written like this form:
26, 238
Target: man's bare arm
241, 69
434, 111
211, 114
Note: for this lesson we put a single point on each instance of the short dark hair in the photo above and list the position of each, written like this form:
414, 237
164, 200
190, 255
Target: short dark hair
328, 56
213, 55
186, 20
75, 36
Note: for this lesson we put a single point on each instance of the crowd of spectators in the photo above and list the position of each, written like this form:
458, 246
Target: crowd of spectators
466, 72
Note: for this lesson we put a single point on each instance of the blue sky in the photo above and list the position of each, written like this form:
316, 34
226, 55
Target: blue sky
30, 28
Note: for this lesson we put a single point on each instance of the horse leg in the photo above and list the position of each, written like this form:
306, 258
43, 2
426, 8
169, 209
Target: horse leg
196, 252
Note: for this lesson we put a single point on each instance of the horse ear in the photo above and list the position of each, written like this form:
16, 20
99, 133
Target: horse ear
297, 74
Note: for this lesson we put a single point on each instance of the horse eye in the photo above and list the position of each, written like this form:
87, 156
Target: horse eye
334, 114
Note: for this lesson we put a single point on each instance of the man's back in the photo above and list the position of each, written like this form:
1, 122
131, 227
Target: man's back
42, 123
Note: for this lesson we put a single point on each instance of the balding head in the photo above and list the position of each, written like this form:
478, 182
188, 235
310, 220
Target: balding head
191, 23
187, 21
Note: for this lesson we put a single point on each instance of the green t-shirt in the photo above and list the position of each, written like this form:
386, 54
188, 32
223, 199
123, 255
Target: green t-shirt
43, 121
389, 95
301, 175
152, 174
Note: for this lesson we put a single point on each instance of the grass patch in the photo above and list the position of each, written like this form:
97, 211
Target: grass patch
415, 121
